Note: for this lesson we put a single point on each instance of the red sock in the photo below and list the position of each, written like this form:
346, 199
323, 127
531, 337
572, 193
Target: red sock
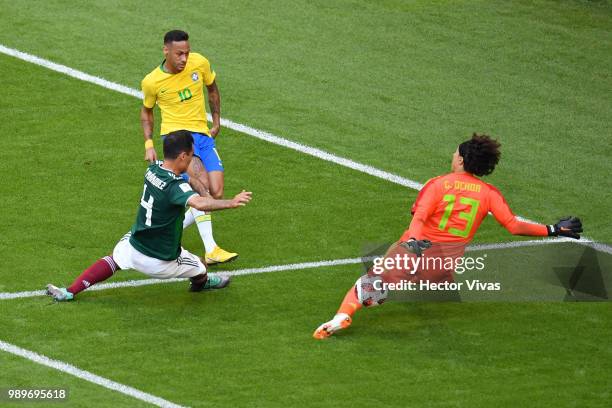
351, 303
101, 270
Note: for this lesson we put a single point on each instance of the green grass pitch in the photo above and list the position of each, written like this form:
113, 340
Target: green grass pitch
392, 84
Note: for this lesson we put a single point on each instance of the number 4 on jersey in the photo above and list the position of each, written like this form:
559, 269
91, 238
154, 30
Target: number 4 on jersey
148, 205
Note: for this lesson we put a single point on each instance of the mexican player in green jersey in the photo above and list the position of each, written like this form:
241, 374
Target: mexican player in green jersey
153, 245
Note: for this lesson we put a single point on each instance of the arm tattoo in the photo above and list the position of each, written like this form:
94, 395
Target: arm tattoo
198, 177
214, 99
146, 121
214, 106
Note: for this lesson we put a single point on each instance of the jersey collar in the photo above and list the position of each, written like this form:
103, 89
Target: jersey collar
161, 67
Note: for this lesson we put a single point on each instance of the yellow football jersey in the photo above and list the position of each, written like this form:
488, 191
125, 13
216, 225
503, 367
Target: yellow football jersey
180, 96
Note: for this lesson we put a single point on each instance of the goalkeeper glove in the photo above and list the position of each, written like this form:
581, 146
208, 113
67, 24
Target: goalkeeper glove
566, 227
416, 246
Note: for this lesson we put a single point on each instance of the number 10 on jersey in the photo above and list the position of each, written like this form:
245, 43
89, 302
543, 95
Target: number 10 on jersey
185, 94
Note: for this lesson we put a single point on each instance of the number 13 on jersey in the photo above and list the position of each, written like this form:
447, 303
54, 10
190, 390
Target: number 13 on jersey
469, 216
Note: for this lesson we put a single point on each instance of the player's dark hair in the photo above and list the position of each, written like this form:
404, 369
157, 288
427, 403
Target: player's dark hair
480, 154
176, 143
175, 35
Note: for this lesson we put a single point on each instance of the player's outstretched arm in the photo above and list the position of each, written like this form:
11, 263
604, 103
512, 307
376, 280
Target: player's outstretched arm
210, 204
146, 121
567, 227
214, 101
504, 215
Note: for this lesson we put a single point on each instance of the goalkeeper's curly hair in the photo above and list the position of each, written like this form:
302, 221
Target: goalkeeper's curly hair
480, 154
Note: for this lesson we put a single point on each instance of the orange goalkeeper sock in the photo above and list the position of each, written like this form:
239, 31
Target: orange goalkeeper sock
351, 303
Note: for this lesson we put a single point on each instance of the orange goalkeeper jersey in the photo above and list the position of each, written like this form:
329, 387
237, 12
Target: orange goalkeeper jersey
450, 208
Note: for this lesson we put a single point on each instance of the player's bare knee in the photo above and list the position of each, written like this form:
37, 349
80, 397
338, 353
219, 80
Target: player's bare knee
216, 184
217, 194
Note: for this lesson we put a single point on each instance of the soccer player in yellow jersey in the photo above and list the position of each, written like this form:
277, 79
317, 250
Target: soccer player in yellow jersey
177, 87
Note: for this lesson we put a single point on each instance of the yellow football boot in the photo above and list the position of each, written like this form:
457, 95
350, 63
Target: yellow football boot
219, 255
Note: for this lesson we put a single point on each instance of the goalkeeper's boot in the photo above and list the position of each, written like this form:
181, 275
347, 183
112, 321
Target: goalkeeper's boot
339, 322
59, 294
213, 281
219, 255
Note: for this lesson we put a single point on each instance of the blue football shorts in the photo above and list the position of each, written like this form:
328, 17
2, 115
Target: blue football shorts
204, 148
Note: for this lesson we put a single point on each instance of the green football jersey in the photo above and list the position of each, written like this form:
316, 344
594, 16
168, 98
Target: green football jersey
158, 228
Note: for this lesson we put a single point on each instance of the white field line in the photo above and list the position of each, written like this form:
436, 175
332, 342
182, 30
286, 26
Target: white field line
86, 375
281, 268
517, 244
259, 134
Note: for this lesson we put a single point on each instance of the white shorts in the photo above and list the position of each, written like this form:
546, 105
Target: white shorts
187, 265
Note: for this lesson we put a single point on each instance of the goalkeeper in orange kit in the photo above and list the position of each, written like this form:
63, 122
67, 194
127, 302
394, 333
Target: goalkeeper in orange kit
446, 215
